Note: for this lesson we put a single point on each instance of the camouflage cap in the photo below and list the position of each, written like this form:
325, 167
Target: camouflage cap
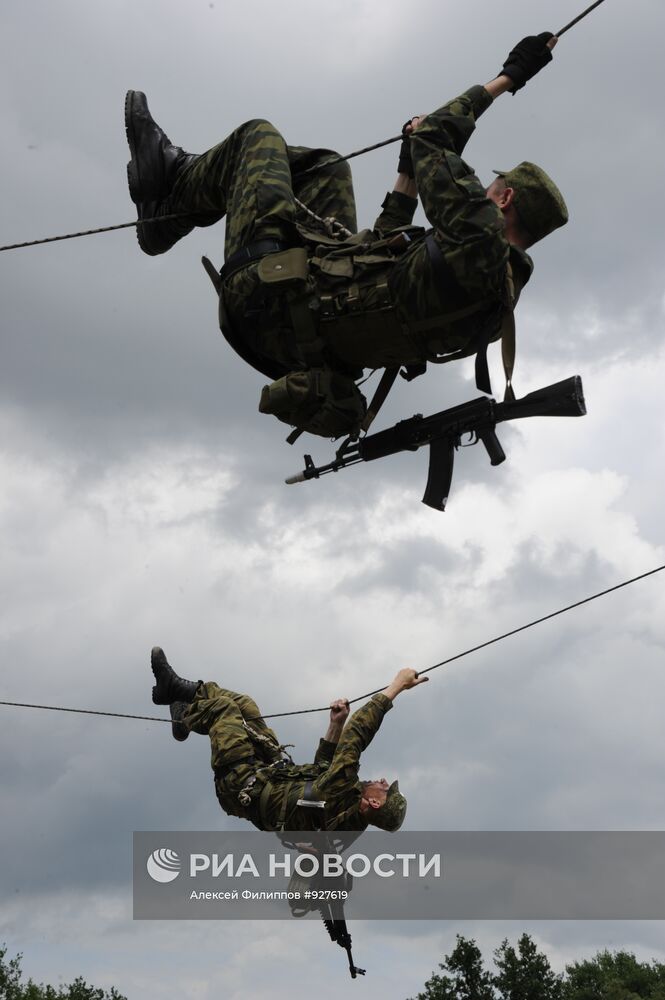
391, 814
537, 199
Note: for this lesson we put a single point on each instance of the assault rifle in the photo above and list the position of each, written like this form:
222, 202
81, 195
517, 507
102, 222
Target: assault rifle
331, 911
444, 431
339, 933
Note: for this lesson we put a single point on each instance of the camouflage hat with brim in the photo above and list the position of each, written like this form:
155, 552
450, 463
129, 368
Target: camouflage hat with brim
537, 199
391, 814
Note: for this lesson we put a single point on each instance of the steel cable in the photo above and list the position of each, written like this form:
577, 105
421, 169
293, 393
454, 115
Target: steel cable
362, 697
318, 166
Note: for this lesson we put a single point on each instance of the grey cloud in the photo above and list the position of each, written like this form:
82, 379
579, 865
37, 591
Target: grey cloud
144, 501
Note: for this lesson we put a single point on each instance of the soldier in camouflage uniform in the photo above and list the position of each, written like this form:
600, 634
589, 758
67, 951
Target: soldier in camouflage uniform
393, 295
252, 778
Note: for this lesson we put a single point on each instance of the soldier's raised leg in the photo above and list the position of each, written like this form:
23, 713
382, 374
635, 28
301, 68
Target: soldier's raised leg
233, 721
246, 177
325, 190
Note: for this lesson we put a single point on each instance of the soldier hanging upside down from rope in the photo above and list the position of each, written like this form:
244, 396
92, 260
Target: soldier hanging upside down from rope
254, 777
312, 305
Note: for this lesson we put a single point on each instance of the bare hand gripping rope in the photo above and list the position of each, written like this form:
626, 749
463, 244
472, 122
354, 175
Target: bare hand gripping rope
327, 163
362, 697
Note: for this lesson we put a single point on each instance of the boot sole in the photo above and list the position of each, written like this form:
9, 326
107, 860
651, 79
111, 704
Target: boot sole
159, 697
133, 176
133, 179
179, 730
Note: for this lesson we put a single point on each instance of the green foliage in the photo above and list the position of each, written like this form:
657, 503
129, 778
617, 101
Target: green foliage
468, 980
614, 976
12, 987
10, 977
524, 973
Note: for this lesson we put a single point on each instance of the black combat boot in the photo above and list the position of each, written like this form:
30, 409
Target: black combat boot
178, 727
169, 686
152, 172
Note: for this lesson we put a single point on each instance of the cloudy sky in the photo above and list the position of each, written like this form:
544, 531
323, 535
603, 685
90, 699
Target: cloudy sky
143, 498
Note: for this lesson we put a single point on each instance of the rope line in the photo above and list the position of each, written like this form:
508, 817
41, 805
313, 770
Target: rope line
301, 173
489, 642
329, 223
362, 697
92, 232
85, 711
335, 228
350, 156
578, 18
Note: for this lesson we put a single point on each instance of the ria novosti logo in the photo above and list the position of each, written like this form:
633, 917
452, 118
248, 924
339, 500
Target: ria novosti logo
163, 865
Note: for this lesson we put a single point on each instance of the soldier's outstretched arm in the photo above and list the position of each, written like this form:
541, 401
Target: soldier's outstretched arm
527, 58
363, 726
357, 735
339, 713
452, 197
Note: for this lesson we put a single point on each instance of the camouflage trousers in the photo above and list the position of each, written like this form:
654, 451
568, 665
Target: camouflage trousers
253, 178
231, 720
237, 734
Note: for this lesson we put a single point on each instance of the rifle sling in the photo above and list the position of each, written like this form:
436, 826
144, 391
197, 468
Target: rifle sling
508, 341
378, 399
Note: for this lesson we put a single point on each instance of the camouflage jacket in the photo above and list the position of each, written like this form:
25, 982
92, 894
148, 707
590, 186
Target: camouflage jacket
469, 276
334, 774
467, 227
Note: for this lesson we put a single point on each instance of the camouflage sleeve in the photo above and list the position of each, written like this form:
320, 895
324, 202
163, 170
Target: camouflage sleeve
324, 754
467, 225
339, 784
398, 210
359, 732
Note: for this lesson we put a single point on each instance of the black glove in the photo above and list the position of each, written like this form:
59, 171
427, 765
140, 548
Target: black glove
527, 58
405, 163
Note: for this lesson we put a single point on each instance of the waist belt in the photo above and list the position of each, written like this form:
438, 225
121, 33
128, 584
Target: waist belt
221, 773
250, 253
308, 798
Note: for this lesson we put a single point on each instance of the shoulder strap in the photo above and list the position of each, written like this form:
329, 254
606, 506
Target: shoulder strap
480, 344
378, 399
508, 340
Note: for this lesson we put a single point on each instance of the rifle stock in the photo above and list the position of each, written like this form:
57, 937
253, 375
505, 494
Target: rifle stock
443, 432
563, 399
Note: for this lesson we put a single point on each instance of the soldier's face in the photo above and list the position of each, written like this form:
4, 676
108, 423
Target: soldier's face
376, 789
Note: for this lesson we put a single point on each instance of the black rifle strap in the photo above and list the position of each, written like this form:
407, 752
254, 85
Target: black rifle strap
378, 399
508, 354
479, 344
508, 336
